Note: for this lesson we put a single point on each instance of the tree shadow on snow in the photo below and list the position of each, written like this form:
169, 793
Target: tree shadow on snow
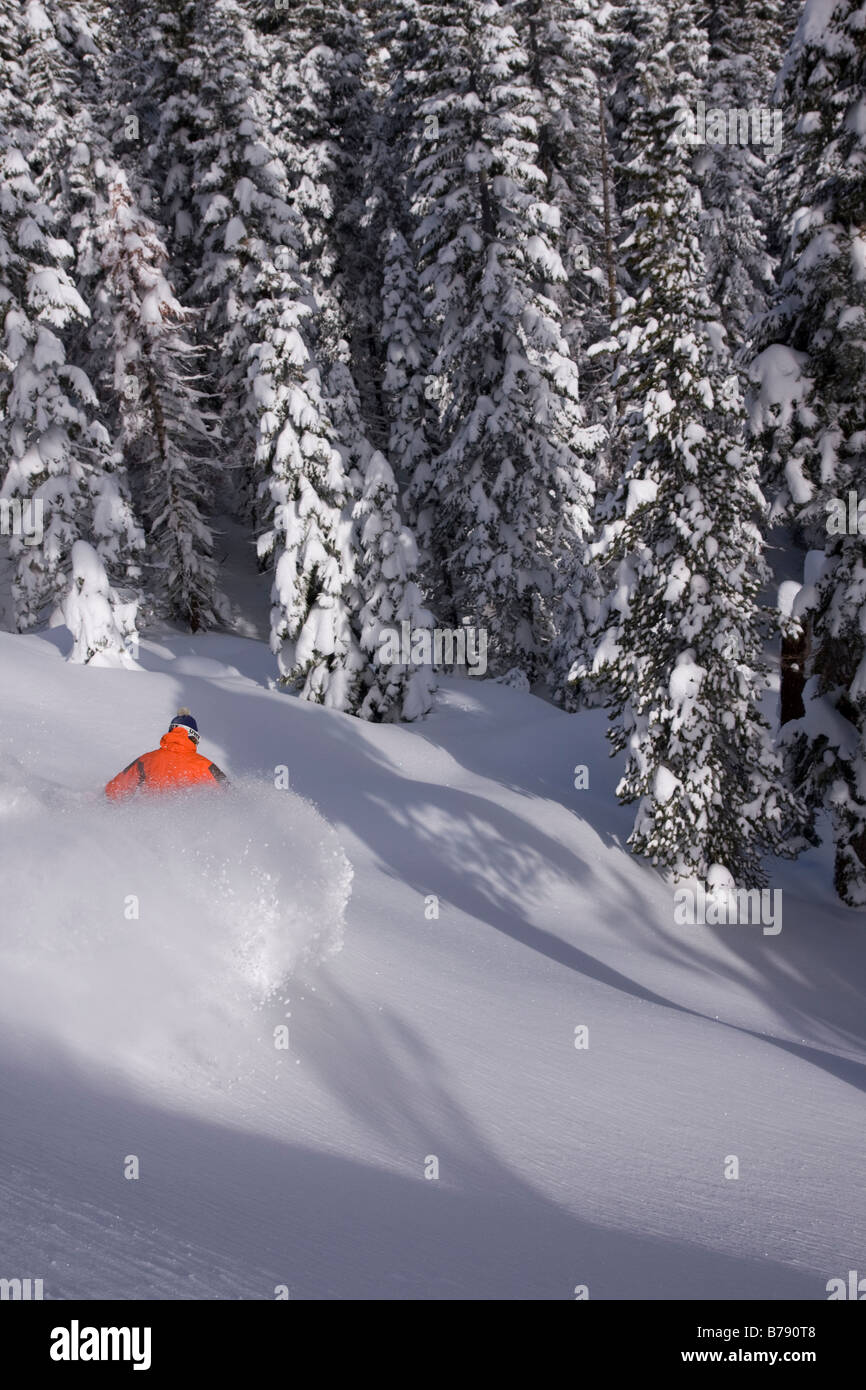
437, 835
220, 1212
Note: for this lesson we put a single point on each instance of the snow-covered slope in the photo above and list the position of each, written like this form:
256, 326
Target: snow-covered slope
412, 1037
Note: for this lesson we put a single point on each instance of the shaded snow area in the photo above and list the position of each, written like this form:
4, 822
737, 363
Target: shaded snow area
509, 1071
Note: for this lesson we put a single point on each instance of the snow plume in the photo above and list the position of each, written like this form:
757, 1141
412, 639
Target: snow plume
147, 936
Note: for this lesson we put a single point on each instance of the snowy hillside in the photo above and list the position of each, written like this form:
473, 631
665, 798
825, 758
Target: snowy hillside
411, 1037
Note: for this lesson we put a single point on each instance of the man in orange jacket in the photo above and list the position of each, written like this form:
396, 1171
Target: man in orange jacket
175, 764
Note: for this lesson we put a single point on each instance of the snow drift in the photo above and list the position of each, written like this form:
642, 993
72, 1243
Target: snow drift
151, 934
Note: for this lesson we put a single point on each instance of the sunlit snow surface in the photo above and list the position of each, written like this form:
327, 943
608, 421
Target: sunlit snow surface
493, 910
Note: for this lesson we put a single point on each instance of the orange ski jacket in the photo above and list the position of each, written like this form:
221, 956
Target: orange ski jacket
173, 765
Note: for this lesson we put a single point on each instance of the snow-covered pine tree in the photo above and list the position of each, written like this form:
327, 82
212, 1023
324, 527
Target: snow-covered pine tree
412, 435
198, 82
736, 175
167, 430
58, 456
384, 593
44, 404
102, 626
323, 119
567, 43
335, 143
238, 214
221, 157
680, 646
348, 563
810, 407
266, 214
302, 463
305, 494
401, 419
88, 36
156, 78
509, 492
388, 563
51, 76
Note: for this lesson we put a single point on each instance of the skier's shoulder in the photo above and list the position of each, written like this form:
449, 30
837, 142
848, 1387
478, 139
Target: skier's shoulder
215, 772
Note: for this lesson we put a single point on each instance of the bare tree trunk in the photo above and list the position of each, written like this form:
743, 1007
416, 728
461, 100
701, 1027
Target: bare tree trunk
792, 680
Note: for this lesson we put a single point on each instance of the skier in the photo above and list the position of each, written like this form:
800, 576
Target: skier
175, 764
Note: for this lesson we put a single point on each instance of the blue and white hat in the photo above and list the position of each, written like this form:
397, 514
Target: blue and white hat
184, 720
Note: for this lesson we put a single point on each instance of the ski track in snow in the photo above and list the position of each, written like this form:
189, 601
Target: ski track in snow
410, 1036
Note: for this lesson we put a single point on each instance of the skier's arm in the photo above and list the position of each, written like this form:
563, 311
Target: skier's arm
126, 782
